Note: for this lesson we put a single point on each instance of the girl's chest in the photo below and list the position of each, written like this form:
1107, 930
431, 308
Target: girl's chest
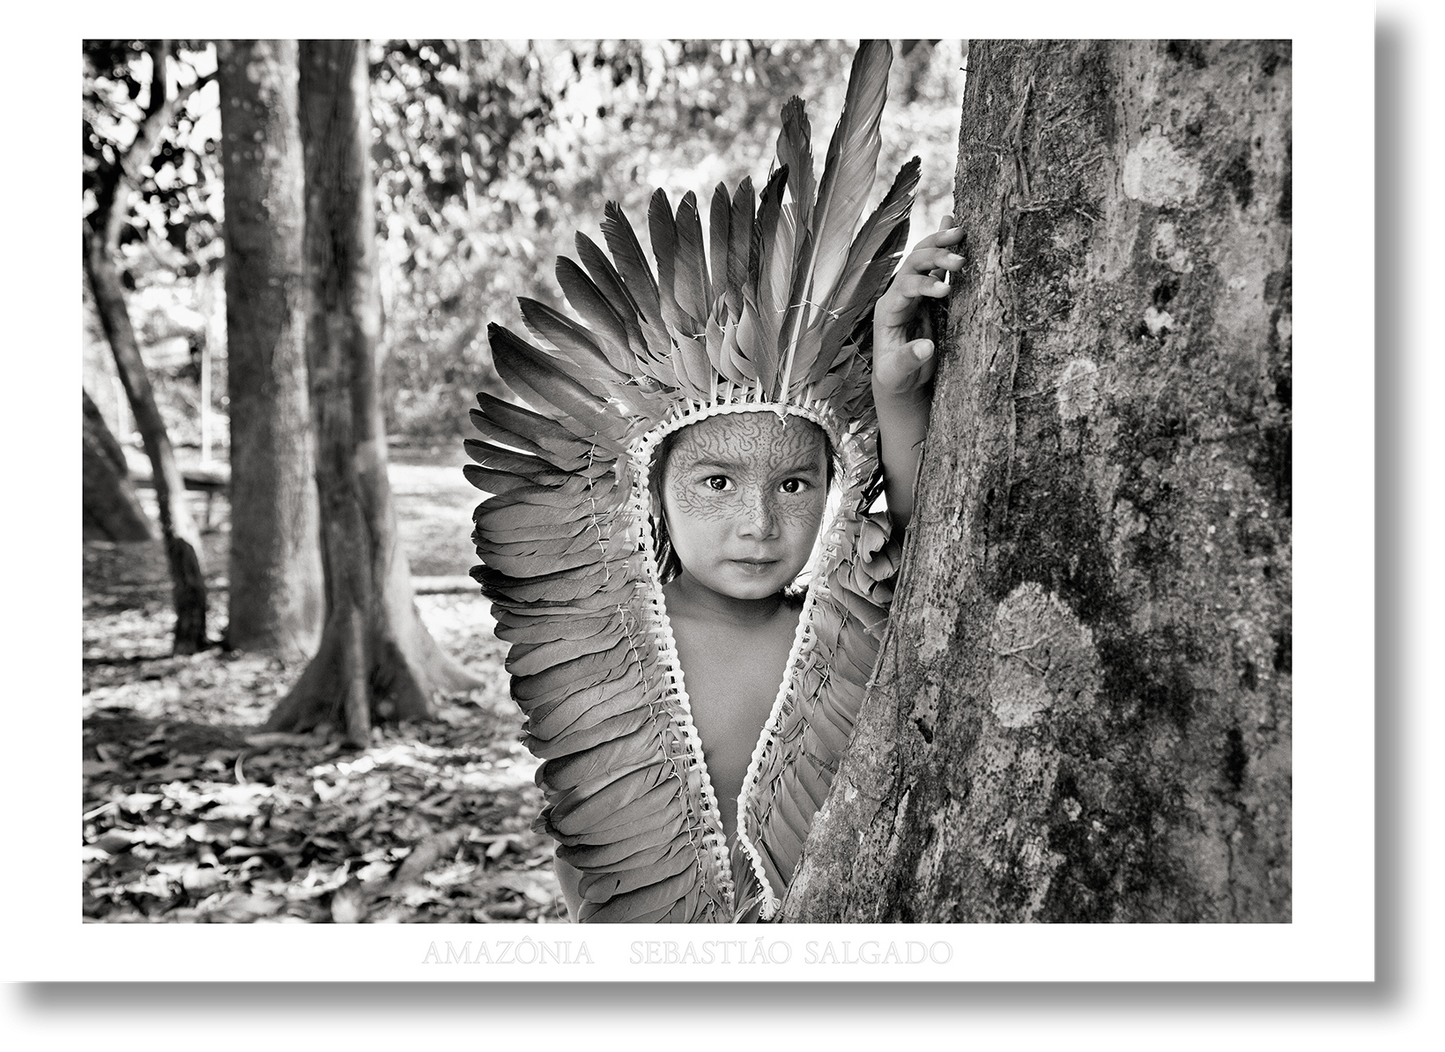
731, 687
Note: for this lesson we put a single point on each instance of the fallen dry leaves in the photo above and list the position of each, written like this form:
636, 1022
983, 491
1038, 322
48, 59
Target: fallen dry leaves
192, 814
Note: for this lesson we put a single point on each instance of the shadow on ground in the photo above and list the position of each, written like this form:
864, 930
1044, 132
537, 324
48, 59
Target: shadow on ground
191, 813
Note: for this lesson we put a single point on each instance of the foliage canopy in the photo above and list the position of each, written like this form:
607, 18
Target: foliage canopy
489, 155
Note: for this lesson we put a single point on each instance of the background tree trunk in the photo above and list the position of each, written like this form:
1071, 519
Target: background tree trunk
101, 236
1082, 706
112, 512
376, 659
183, 540
277, 592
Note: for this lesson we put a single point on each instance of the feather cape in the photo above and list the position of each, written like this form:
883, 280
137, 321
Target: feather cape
780, 321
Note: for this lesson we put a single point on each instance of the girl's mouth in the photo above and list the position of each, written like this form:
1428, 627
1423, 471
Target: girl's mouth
757, 566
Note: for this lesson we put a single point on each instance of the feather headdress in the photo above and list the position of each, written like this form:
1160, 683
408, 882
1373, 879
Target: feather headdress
769, 310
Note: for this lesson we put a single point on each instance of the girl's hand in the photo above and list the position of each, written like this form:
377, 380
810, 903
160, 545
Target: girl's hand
903, 367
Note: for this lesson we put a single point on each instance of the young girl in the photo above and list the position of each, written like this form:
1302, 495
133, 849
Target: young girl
684, 559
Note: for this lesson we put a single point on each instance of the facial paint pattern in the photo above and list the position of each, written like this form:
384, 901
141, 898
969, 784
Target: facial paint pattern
752, 464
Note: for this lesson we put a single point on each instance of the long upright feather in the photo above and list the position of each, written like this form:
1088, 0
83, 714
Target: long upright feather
600, 314
609, 283
740, 240
719, 218
636, 274
762, 327
574, 342
838, 331
682, 285
690, 281
662, 231
848, 173
879, 226
871, 260
795, 351
795, 152
852, 162
774, 286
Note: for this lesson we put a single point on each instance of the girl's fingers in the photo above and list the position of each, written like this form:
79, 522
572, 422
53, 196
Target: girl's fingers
943, 263
899, 302
907, 370
946, 235
933, 253
923, 275
938, 243
935, 250
926, 284
926, 259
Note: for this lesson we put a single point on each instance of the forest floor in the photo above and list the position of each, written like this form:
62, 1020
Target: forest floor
192, 813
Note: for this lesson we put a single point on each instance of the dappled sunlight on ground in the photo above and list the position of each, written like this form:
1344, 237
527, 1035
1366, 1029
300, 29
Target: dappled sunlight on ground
192, 813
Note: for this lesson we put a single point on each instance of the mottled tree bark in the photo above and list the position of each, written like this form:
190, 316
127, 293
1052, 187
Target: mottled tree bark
277, 593
101, 238
1082, 707
111, 510
376, 659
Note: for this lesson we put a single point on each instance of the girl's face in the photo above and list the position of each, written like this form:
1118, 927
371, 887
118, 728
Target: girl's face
743, 495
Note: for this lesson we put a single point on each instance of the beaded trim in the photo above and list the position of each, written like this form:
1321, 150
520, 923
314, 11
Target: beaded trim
675, 699
707, 837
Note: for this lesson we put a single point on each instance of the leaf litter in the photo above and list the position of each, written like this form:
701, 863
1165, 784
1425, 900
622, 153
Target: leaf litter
192, 813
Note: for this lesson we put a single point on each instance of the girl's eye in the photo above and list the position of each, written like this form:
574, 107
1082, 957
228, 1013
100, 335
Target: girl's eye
718, 483
793, 485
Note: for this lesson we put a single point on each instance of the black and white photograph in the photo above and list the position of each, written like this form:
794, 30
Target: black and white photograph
545, 494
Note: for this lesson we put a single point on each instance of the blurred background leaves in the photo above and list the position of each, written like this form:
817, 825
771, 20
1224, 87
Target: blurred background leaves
488, 155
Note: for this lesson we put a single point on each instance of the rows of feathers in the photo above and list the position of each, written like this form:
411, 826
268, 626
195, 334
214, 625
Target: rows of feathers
782, 315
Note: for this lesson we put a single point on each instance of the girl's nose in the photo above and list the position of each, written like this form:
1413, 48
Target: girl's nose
759, 517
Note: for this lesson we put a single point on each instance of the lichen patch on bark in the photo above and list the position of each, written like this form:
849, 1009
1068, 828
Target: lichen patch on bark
1167, 249
1158, 174
935, 632
1041, 655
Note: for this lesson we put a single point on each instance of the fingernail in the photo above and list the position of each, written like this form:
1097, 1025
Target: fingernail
954, 258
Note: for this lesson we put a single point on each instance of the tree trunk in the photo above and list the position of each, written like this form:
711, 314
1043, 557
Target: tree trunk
1082, 706
101, 238
376, 660
277, 592
112, 512
183, 540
